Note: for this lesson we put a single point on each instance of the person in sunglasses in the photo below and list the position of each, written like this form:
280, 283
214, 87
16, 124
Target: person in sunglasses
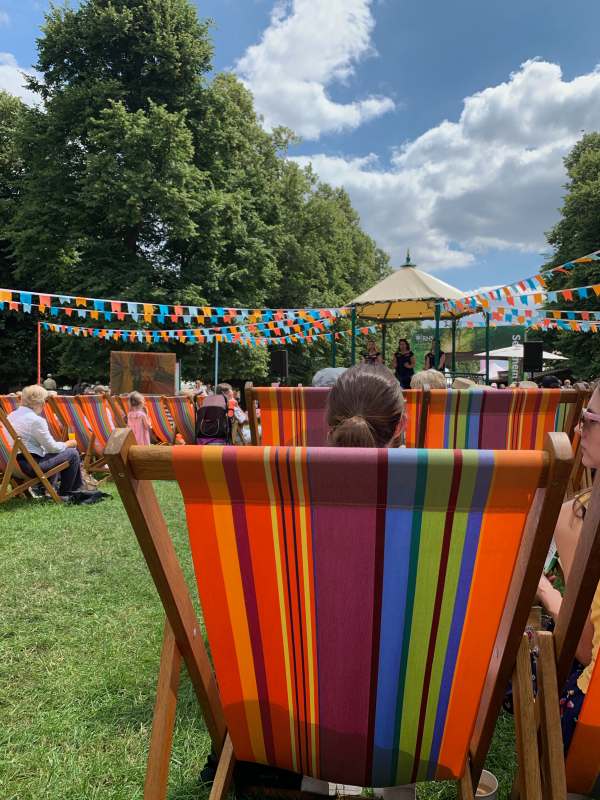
566, 537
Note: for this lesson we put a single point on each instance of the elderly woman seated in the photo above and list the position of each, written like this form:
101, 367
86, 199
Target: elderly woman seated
428, 379
32, 429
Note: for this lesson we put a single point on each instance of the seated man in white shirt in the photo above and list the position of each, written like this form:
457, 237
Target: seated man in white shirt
32, 429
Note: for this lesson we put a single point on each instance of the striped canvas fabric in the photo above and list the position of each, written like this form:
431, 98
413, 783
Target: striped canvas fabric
55, 426
98, 414
70, 411
181, 409
413, 399
6, 445
293, 416
583, 758
352, 599
498, 420
161, 425
563, 417
8, 403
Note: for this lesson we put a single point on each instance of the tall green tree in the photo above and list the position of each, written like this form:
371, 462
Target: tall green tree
576, 234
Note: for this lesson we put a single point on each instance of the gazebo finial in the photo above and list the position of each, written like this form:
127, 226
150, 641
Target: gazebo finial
407, 263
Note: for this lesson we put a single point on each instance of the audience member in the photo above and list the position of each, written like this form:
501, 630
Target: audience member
49, 384
550, 382
327, 376
428, 379
372, 354
32, 428
138, 419
566, 537
463, 383
365, 408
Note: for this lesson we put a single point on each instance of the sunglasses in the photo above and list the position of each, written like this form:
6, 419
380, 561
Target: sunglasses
588, 418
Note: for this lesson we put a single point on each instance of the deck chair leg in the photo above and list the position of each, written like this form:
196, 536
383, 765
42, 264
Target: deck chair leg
553, 764
224, 773
525, 726
465, 785
159, 755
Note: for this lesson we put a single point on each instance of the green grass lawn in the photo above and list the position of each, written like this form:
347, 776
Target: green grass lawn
80, 636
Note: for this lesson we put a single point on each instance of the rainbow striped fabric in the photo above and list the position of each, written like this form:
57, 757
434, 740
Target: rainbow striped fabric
6, 446
583, 758
413, 399
181, 409
352, 599
9, 402
293, 416
497, 420
161, 426
97, 412
68, 409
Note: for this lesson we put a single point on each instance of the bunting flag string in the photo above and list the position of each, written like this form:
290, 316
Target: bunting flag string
195, 336
17, 299
277, 328
527, 287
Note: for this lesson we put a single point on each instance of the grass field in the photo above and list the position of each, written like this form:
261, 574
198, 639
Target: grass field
80, 636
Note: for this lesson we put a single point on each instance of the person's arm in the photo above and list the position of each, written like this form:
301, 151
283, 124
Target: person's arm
40, 432
566, 537
394, 362
413, 362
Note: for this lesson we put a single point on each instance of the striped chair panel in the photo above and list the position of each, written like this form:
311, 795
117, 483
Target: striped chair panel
352, 599
8, 403
500, 420
96, 411
55, 426
413, 399
162, 426
293, 417
69, 410
181, 409
6, 445
583, 759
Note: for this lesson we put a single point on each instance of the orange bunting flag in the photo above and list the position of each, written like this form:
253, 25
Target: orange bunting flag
148, 312
81, 301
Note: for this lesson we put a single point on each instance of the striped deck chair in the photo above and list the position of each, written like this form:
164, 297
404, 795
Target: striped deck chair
413, 399
514, 419
364, 608
162, 427
9, 402
289, 416
182, 412
72, 415
119, 405
14, 482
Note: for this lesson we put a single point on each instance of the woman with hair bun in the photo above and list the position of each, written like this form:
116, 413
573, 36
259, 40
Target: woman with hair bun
366, 408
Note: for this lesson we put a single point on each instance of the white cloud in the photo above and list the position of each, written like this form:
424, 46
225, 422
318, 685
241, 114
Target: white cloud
12, 78
494, 179
309, 45
4, 18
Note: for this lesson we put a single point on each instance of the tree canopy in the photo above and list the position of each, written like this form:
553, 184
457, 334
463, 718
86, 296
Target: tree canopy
139, 177
576, 234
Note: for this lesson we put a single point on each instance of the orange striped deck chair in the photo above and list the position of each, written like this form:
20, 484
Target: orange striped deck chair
72, 415
413, 399
181, 410
9, 402
289, 416
13, 481
364, 608
508, 419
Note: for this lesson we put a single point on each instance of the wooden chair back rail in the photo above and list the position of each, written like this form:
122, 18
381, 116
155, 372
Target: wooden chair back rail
133, 468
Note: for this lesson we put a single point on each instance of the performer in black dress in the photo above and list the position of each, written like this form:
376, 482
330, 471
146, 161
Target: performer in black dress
404, 363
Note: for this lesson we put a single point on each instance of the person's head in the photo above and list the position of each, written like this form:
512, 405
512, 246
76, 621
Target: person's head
365, 408
403, 345
528, 385
550, 382
137, 400
371, 346
327, 376
463, 383
34, 397
567, 383
225, 389
49, 375
589, 430
428, 379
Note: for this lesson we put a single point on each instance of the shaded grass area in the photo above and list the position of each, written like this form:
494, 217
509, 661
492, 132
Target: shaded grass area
80, 636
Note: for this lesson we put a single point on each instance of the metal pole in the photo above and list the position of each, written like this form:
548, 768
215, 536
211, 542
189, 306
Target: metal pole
436, 347
333, 345
353, 347
453, 344
39, 353
487, 347
383, 340
216, 363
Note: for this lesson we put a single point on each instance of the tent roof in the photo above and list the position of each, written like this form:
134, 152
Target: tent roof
516, 351
407, 294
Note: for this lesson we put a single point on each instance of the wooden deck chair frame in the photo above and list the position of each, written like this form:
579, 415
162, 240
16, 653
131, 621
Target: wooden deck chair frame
557, 650
15, 482
92, 462
251, 411
133, 469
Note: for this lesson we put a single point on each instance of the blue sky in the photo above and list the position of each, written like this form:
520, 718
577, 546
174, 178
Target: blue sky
446, 122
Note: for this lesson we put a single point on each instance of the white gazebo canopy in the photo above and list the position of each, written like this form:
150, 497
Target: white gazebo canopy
516, 351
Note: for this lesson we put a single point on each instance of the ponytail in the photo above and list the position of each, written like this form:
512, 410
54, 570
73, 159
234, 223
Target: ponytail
353, 432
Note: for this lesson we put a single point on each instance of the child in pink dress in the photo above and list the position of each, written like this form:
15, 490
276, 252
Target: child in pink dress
137, 418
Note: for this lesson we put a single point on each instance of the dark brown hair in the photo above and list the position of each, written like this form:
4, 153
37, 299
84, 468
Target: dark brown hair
364, 407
